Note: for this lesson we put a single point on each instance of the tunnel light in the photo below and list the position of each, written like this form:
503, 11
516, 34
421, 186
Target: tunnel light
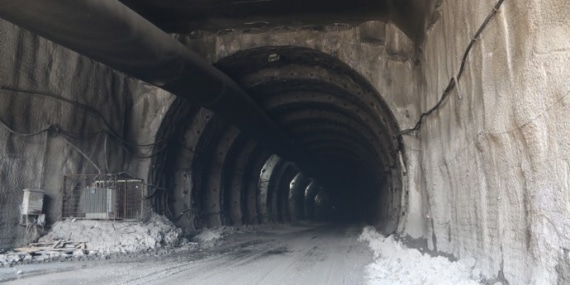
273, 57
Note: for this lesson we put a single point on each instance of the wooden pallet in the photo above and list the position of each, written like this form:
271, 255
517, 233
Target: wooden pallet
56, 246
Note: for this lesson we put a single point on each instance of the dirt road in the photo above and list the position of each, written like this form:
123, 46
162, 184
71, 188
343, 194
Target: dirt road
284, 255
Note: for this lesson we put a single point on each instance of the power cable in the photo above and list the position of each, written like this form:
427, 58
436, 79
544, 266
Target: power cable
109, 130
454, 80
82, 153
10, 130
49, 129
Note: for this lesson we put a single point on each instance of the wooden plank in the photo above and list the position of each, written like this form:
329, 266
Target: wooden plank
26, 249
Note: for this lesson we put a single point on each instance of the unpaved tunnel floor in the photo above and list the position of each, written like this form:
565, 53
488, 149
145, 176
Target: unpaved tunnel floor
322, 254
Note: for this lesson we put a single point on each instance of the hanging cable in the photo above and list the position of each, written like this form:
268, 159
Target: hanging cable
82, 153
109, 130
63, 99
10, 130
454, 80
52, 129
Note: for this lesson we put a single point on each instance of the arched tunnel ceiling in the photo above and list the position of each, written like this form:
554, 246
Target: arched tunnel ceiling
412, 16
302, 85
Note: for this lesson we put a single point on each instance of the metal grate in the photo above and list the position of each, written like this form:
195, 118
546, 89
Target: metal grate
103, 197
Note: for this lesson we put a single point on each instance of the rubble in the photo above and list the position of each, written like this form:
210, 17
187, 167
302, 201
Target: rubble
95, 238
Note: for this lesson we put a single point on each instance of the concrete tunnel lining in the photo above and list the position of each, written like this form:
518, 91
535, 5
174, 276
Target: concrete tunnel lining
225, 165
296, 196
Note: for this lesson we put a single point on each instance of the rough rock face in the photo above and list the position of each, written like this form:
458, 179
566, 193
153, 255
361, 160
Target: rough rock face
66, 115
494, 158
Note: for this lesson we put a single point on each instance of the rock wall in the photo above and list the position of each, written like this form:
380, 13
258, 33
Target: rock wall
61, 114
494, 157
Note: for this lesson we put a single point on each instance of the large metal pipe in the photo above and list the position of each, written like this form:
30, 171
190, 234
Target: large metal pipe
109, 32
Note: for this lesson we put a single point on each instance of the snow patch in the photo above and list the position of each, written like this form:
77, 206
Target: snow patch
396, 264
209, 235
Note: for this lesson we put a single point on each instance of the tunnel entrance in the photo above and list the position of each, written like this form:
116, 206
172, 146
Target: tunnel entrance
209, 174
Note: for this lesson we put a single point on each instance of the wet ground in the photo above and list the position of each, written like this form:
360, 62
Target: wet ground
321, 254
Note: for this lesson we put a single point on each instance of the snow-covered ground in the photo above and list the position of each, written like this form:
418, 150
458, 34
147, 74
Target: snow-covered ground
395, 264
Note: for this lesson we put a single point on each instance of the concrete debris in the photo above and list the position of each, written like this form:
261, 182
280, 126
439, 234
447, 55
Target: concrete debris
123, 237
80, 238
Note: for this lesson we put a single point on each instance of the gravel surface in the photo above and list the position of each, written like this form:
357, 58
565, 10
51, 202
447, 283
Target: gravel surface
300, 254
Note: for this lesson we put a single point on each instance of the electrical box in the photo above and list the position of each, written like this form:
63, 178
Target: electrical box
103, 197
98, 203
33, 202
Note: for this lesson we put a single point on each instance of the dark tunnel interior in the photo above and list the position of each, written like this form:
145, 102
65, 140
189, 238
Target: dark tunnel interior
317, 140
210, 174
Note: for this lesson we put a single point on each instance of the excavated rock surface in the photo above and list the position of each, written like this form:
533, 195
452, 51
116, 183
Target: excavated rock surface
61, 113
495, 156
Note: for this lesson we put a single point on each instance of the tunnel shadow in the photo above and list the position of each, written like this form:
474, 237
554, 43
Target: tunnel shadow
212, 175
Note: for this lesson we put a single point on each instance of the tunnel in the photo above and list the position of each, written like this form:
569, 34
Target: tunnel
442, 124
269, 134
273, 133
214, 175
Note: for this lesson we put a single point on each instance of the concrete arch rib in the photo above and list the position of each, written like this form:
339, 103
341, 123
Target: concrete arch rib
281, 193
297, 197
251, 179
269, 168
206, 170
310, 193
233, 173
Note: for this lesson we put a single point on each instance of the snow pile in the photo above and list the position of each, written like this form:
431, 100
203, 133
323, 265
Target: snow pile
396, 264
106, 237
210, 237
